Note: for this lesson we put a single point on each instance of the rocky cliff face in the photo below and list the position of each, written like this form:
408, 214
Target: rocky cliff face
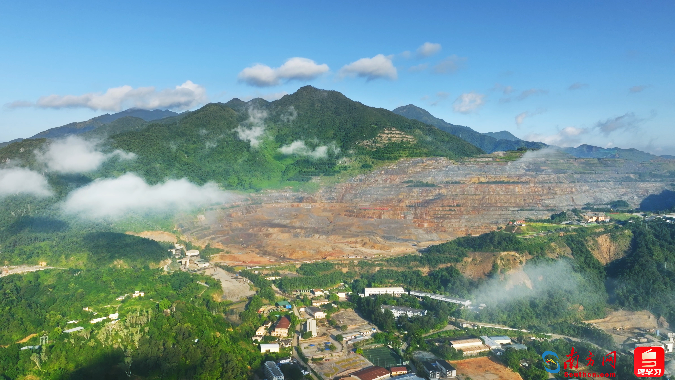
417, 202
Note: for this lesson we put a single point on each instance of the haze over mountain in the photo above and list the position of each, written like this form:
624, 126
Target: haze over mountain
130, 118
489, 142
505, 140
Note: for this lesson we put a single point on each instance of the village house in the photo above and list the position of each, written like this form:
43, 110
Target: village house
281, 328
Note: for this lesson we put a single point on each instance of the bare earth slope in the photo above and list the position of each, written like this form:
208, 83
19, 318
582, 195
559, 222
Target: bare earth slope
384, 213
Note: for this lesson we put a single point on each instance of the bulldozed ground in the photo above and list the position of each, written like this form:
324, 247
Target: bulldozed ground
624, 324
484, 368
386, 212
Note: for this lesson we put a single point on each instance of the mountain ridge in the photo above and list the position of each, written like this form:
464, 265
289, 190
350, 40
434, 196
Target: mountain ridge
489, 142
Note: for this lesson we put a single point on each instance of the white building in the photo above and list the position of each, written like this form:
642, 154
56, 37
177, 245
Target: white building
310, 326
501, 339
192, 252
395, 291
269, 347
403, 310
440, 297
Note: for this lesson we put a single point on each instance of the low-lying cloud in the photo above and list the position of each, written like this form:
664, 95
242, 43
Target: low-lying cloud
296, 68
18, 181
568, 136
533, 281
299, 148
253, 129
378, 67
74, 154
129, 194
185, 96
468, 102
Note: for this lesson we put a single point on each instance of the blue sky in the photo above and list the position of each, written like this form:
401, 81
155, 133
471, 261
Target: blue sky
564, 73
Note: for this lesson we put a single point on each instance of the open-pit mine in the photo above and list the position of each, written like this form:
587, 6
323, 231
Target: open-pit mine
413, 203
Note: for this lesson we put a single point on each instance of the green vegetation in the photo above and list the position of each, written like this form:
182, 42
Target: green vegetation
644, 279
190, 338
412, 183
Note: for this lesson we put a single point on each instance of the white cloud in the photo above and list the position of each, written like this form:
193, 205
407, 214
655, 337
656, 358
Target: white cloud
76, 155
23, 181
468, 102
568, 136
636, 89
624, 122
377, 67
420, 67
521, 116
523, 94
428, 49
116, 197
253, 129
185, 96
299, 148
439, 97
577, 86
296, 68
450, 65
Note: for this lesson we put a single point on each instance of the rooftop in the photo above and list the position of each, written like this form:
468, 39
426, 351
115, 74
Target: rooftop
283, 323
370, 373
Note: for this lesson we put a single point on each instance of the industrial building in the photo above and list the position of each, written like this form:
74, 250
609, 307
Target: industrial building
469, 347
495, 341
440, 297
272, 371
394, 291
372, 373
403, 310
